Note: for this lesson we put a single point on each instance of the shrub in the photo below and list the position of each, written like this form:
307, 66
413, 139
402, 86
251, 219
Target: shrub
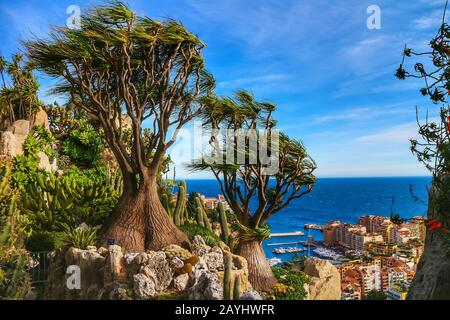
290, 284
79, 237
191, 230
83, 144
41, 241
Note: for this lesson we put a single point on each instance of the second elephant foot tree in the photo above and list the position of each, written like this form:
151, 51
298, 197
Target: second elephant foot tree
256, 180
153, 71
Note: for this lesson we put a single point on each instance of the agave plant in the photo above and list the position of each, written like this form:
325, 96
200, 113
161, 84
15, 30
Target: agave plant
81, 237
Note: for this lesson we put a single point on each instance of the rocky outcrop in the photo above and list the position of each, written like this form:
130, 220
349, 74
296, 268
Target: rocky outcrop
11, 140
40, 118
325, 280
112, 274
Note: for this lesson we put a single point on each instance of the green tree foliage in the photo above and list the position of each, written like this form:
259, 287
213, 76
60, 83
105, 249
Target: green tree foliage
18, 89
191, 230
83, 144
375, 295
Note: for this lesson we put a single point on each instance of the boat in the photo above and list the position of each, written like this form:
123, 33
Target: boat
288, 250
274, 261
326, 253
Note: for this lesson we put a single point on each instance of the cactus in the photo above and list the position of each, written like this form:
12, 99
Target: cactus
165, 204
202, 217
178, 214
227, 277
237, 288
50, 201
224, 223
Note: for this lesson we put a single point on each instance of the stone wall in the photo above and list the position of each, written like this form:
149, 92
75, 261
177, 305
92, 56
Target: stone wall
113, 274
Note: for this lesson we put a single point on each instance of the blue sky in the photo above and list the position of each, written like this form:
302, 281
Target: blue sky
331, 77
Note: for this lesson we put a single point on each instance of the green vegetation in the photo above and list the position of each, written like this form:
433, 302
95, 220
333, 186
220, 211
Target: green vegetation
375, 295
290, 284
192, 230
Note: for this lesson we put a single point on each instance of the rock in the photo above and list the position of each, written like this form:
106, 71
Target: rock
239, 269
115, 270
214, 260
251, 295
103, 251
143, 287
12, 140
91, 265
181, 282
40, 119
176, 263
222, 245
325, 280
158, 268
45, 163
91, 248
20, 128
207, 286
129, 257
199, 247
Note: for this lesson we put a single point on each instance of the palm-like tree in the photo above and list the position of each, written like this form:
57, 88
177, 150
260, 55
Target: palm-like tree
254, 188
119, 62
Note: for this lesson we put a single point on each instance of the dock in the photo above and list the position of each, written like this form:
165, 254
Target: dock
282, 244
287, 234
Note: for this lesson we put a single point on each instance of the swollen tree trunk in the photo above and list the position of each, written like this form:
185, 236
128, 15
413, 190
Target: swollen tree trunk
140, 222
260, 273
432, 279
161, 231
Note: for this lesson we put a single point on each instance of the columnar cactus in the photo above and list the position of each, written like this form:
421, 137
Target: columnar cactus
237, 288
227, 277
178, 214
224, 223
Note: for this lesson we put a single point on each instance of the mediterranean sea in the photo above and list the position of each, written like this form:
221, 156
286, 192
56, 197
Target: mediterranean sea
343, 199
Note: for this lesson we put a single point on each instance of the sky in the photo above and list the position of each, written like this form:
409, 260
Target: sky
331, 76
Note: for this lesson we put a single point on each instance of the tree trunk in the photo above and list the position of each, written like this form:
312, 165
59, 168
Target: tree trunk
127, 223
432, 279
260, 273
140, 222
161, 230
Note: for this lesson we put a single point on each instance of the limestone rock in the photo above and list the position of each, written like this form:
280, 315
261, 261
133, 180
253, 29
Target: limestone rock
158, 268
115, 265
144, 287
181, 282
199, 247
214, 260
11, 140
176, 263
325, 281
239, 269
251, 295
129, 257
45, 163
40, 119
206, 287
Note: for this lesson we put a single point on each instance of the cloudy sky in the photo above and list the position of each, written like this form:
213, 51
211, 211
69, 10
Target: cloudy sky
331, 76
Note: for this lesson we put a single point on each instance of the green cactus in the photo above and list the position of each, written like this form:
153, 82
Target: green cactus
53, 200
178, 213
237, 288
165, 204
224, 223
227, 277
199, 216
14, 279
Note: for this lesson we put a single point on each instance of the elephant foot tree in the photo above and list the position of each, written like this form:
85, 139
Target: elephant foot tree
256, 181
432, 280
152, 71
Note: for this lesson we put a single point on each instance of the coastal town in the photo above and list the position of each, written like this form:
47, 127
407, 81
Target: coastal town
377, 255
373, 255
